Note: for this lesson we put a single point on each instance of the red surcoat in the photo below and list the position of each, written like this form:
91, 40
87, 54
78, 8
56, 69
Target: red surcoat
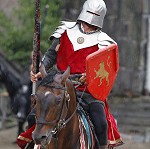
75, 59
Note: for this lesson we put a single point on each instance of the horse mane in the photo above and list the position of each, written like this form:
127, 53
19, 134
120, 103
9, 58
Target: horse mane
49, 78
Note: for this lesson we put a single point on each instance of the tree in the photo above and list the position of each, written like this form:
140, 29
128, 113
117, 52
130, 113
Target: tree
17, 39
71, 9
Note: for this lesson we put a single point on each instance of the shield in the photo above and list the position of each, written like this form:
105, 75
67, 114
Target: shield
101, 71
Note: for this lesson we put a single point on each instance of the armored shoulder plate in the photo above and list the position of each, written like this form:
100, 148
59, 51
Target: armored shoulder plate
61, 29
104, 40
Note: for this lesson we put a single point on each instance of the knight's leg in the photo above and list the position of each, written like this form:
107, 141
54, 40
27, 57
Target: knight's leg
31, 118
20, 127
25, 143
98, 118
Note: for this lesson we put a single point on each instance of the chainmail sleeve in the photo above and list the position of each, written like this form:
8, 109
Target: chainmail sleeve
49, 59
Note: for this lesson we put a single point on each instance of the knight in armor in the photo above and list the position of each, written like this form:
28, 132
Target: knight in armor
72, 43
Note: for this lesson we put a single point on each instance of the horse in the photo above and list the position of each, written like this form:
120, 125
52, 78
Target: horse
19, 93
57, 119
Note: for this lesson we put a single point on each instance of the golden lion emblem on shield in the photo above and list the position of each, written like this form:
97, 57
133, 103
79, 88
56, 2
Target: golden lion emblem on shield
102, 73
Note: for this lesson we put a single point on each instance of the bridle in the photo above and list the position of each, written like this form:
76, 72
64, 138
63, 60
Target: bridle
61, 121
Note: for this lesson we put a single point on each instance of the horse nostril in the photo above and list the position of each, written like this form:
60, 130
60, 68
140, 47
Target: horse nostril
43, 137
38, 139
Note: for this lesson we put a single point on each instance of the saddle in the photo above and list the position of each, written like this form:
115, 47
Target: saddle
82, 111
86, 124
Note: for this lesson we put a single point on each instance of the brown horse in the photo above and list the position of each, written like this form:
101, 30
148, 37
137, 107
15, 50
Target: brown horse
57, 125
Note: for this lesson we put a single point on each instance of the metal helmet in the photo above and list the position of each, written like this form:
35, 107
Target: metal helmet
93, 12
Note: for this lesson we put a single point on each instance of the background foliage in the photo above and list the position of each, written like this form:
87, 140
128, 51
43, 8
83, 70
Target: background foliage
17, 32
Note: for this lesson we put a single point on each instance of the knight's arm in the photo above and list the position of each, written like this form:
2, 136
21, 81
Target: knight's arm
50, 56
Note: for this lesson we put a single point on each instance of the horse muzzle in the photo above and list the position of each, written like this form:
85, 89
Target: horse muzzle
41, 138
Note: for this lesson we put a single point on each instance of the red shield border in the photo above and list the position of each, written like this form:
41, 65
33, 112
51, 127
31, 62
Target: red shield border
101, 71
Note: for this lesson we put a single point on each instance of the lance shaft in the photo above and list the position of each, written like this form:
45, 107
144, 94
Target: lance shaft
36, 48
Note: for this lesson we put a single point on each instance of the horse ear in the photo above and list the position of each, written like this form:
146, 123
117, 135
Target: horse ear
43, 71
65, 75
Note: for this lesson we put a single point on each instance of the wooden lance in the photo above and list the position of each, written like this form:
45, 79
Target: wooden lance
36, 48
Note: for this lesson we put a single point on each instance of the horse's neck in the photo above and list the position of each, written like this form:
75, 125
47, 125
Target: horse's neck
11, 83
71, 131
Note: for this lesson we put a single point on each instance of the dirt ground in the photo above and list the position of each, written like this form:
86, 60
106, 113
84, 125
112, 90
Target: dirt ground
7, 137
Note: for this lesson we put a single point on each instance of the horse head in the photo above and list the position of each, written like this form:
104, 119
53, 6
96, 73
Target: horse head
52, 105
